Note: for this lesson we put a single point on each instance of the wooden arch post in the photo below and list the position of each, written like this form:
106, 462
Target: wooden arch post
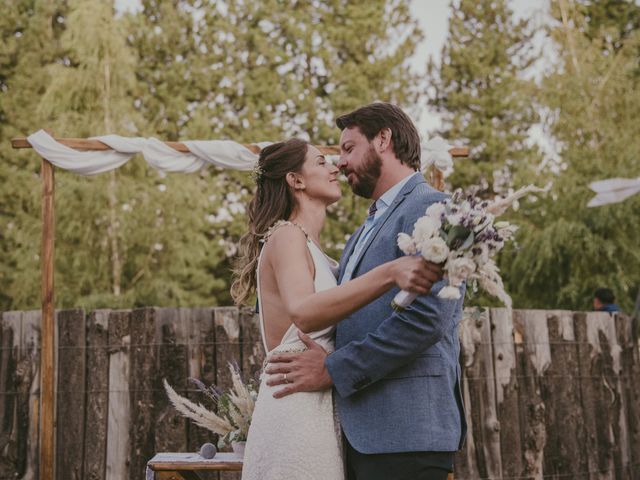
47, 352
47, 331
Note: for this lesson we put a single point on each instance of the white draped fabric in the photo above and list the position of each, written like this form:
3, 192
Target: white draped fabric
221, 153
613, 190
436, 152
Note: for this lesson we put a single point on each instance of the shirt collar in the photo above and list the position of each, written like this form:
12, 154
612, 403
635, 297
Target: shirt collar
390, 195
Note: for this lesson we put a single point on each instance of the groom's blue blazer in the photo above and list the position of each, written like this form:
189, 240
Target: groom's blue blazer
397, 374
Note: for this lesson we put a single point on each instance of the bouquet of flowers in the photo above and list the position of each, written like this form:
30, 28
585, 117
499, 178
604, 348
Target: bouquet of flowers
461, 234
235, 407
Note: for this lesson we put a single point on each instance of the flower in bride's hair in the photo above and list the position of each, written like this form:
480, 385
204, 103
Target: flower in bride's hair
257, 173
434, 250
406, 244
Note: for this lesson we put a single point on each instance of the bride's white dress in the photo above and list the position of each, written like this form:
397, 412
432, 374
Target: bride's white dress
296, 437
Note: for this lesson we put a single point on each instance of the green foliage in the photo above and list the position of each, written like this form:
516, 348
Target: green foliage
247, 71
567, 249
485, 101
30, 32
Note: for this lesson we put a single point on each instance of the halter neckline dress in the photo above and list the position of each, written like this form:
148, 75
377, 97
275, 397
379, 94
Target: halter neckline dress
296, 437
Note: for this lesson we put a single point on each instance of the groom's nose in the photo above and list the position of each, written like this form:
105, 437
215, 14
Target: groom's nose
342, 162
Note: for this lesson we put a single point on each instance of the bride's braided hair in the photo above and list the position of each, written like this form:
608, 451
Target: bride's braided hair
272, 201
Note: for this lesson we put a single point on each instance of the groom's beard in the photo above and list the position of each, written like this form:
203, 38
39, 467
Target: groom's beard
367, 175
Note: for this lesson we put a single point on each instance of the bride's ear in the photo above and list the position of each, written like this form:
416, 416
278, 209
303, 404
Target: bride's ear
295, 181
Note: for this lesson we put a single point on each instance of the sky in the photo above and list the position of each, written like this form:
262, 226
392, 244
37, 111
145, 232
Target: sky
433, 16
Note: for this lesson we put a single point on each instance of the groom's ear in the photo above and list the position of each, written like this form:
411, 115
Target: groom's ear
295, 181
382, 141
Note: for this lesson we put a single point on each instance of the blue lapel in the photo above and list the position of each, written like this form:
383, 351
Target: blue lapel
406, 190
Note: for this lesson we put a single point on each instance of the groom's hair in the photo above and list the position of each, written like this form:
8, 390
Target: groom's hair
372, 118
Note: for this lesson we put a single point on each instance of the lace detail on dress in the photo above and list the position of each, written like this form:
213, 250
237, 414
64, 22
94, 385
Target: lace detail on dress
280, 223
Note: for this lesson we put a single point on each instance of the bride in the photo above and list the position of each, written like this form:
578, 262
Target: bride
298, 437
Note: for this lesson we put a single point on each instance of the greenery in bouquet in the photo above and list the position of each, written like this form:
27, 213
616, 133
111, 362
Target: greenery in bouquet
234, 408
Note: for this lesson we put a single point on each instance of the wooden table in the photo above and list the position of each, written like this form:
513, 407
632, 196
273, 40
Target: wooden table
185, 466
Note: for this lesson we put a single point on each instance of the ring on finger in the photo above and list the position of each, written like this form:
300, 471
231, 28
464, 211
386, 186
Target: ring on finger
285, 378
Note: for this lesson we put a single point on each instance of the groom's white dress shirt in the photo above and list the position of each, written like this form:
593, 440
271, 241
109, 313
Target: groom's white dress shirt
382, 204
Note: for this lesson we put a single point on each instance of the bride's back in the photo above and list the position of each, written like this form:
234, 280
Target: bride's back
275, 316
287, 245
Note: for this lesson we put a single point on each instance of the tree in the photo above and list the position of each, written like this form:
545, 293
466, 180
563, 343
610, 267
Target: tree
568, 250
30, 32
483, 96
610, 21
266, 71
248, 71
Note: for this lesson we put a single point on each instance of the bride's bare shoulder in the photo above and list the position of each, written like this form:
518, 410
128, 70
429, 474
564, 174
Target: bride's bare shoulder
284, 232
286, 241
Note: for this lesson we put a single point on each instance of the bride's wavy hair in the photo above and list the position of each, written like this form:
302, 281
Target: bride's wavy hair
272, 201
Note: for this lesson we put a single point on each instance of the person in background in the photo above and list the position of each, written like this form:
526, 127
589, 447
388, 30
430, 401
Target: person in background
604, 301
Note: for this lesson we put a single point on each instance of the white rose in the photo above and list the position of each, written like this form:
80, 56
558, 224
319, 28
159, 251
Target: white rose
406, 244
459, 270
436, 210
434, 250
426, 227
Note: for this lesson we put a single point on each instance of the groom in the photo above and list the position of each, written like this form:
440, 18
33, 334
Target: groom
395, 373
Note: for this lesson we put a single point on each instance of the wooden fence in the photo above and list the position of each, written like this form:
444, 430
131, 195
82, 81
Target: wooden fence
549, 394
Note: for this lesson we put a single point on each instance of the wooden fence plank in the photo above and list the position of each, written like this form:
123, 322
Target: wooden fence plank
119, 413
11, 380
533, 359
630, 377
253, 353
97, 398
563, 453
227, 328
70, 401
7, 397
508, 407
145, 388
30, 346
602, 335
482, 456
202, 366
596, 392
171, 334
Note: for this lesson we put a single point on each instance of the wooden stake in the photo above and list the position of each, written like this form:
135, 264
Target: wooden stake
47, 355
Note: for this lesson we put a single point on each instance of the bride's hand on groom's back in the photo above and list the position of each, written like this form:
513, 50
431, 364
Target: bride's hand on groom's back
299, 372
414, 274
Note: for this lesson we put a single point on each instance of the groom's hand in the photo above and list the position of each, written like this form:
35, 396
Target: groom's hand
300, 372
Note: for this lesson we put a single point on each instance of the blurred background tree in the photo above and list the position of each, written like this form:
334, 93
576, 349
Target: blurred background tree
248, 71
254, 71
486, 101
592, 95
